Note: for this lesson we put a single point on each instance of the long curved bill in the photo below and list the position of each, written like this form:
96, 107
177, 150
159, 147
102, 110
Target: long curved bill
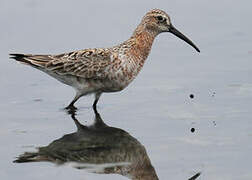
174, 31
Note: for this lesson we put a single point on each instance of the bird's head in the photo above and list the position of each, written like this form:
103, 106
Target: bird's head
158, 21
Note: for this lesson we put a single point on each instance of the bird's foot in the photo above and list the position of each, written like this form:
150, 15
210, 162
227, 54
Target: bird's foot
71, 109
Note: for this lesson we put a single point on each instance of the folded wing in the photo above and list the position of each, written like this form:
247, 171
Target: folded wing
88, 63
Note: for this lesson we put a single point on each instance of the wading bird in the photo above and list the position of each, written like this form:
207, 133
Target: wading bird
103, 70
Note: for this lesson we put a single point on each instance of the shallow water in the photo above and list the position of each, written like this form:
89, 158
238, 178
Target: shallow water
156, 108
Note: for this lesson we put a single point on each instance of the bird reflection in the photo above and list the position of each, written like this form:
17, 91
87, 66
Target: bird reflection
98, 148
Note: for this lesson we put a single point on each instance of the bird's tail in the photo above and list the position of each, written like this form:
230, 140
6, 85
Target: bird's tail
29, 157
32, 60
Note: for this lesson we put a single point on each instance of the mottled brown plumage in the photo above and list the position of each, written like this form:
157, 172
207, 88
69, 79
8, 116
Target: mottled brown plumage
102, 70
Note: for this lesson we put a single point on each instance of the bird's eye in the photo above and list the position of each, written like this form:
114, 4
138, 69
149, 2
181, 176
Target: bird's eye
160, 18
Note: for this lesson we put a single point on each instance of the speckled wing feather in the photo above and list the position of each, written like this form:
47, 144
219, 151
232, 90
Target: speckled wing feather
88, 63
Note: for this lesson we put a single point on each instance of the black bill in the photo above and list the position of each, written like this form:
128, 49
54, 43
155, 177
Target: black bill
174, 31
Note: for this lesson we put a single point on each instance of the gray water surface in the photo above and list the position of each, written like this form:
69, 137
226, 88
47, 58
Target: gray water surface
156, 108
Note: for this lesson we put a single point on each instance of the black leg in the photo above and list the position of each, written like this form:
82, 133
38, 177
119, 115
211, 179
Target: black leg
97, 96
71, 105
94, 105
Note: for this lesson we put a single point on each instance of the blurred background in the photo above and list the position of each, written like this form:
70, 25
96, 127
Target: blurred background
156, 108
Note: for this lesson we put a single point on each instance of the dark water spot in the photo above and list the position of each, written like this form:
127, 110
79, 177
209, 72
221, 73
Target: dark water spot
214, 123
192, 130
191, 96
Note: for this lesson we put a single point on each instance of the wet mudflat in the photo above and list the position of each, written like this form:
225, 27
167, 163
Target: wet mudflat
156, 110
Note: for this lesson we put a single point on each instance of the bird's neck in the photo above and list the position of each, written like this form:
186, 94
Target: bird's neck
143, 40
